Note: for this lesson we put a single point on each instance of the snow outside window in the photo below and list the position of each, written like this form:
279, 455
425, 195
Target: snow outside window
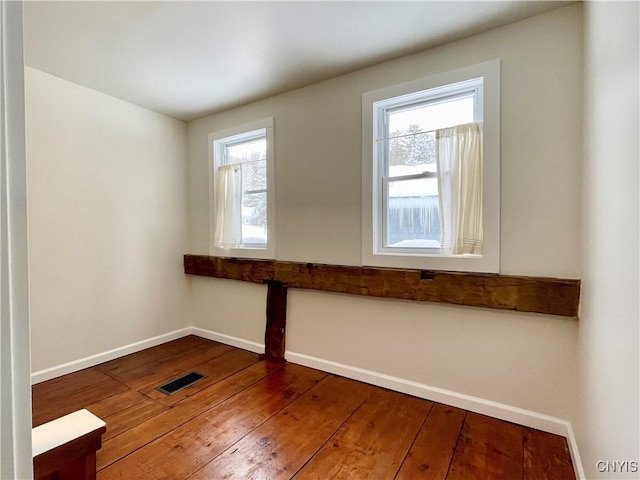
430, 150
241, 192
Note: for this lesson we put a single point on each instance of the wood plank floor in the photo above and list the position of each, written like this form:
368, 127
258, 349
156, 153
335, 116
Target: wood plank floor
252, 419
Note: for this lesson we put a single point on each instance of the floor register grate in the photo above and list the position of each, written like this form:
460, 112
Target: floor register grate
179, 383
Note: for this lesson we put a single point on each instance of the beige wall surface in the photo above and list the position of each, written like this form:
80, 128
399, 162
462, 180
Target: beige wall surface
607, 417
506, 357
519, 359
107, 221
318, 149
112, 208
230, 307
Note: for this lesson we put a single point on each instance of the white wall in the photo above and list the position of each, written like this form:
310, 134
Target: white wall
523, 360
107, 221
607, 418
15, 392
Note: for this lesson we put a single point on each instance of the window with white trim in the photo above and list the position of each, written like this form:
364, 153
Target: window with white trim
431, 172
241, 191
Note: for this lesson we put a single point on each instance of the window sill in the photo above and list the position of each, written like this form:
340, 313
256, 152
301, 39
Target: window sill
453, 263
256, 253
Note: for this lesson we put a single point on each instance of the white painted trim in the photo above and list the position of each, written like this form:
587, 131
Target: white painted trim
372, 254
63, 430
520, 416
74, 366
268, 253
501, 411
575, 454
15, 398
228, 340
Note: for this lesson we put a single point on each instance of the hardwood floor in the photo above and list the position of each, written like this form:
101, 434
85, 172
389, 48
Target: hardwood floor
253, 419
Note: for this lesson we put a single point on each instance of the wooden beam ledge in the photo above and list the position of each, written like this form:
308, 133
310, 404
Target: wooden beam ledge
553, 296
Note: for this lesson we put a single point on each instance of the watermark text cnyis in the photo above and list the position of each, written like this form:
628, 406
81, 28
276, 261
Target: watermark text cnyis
617, 466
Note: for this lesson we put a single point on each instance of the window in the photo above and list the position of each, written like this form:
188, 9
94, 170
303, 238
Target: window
242, 194
431, 172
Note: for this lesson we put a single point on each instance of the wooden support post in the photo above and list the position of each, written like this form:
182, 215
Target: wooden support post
274, 336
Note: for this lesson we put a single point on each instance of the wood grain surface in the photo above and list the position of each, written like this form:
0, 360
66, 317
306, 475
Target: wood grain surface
552, 296
254, 419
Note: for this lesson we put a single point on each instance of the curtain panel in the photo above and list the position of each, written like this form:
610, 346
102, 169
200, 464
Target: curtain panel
228, 204
459, 159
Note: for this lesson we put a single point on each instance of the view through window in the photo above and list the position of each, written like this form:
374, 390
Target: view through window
242, 191
417, 199
412, 214
250, 157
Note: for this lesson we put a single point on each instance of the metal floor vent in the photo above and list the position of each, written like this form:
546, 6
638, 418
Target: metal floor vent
179, 383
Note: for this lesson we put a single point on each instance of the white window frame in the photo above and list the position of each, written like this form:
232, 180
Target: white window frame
373, 199
244, 132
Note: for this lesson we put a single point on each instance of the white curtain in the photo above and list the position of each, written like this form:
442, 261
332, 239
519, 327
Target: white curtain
228, 221
459, 158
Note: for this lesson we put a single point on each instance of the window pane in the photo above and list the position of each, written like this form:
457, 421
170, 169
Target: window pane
246, 151
254, 218
411, 152
432, 116
413, 219
254, 175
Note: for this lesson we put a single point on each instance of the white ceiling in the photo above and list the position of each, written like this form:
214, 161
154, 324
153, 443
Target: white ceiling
191, 59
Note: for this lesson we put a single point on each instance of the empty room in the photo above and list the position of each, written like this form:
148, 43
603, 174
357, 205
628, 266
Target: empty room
359, 240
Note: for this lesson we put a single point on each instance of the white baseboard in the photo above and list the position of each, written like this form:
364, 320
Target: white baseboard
228, 340
490, 408
501, 411
575, 454
70, 367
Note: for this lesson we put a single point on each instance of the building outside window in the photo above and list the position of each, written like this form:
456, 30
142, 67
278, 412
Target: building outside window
427, 163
